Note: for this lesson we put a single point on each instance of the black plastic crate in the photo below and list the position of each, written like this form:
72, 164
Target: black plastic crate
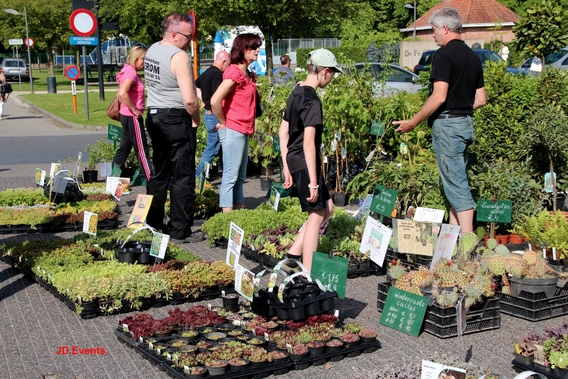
442, 321
489, 308
475, 326
535, 306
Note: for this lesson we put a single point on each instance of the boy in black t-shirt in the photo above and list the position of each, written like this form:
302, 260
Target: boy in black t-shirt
300, 140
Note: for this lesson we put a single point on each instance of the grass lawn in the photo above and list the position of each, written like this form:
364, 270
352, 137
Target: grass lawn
61, 104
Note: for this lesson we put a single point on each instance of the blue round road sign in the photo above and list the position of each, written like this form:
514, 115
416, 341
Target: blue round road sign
72, 73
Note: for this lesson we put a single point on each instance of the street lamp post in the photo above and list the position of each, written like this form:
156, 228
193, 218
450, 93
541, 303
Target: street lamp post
25, 14
408, 6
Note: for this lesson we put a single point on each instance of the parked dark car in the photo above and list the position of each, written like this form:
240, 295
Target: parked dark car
13, 69
425, 61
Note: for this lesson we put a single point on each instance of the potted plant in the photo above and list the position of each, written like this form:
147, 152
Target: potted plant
299, 351
216, 366
530, 273
367, 335
99, 152
524, 350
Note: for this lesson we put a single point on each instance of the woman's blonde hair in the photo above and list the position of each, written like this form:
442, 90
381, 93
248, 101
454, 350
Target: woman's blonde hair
135, 53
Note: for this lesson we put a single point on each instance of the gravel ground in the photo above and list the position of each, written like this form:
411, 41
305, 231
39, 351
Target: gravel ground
34, 325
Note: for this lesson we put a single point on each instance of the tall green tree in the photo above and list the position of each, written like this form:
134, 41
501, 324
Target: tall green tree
48, 24
543, 30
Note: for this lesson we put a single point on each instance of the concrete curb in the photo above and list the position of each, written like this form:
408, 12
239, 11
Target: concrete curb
58, 120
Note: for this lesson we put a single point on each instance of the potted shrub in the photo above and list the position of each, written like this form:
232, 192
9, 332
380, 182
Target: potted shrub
99, 152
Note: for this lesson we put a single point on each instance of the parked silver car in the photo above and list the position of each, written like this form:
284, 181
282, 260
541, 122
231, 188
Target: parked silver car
14, 69
397, 78
558, 59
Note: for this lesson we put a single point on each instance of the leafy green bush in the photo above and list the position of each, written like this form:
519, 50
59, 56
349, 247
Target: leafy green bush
503, 179
255, 220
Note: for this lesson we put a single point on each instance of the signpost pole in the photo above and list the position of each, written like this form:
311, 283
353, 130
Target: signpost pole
19, 72
74, 91
86, 85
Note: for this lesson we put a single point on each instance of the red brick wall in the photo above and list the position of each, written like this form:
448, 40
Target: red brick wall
505, 34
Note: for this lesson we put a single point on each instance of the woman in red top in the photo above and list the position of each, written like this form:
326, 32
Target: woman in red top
234, 105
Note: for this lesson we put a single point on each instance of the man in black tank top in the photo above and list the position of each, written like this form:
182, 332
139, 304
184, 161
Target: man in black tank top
173, 117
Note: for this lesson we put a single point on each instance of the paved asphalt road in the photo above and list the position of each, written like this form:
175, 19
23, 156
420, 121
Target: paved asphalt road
30, 139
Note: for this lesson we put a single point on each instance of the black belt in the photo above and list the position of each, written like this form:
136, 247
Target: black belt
447, 115
172, 111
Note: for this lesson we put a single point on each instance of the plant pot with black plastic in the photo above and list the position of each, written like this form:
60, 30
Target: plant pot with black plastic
231, 302
340, 199
217, 366
265, 184
90, 176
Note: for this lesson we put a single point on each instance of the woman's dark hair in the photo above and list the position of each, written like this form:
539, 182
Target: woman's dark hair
240, 44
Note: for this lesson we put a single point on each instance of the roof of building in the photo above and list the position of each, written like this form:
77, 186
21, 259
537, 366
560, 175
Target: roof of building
473, 12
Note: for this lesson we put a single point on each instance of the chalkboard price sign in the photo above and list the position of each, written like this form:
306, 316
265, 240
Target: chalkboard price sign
404, 311
494, 211
331, 272
383, 200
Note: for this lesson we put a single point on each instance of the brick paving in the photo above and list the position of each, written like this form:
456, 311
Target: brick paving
34, 324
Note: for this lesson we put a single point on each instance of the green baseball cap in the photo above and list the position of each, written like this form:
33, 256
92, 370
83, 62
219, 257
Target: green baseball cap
323, 58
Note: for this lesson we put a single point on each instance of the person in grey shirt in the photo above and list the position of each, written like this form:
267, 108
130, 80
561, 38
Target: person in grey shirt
173, 117
283, 74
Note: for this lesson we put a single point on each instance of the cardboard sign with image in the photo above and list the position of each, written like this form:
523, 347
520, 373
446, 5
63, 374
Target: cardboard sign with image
433, 370
117, 186
106, 169
375, 240
159, 245
364, 209
244, 282
429, 215
54, 168
40, 177
90, 221
77, 165
274, 198
416, 237
234, 245
384, 200
140, 211
446, 243
332, 272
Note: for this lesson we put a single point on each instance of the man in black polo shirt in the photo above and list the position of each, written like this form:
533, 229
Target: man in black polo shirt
206, 85
457, 89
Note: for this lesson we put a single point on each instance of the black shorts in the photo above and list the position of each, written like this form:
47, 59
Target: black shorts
302, 180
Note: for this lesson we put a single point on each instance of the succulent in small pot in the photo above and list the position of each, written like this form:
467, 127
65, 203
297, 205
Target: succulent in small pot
316, 347
334, 345
350, 339
215, 336
216, 366
300, 349
367, 335
237, 364
277, 356
189, 333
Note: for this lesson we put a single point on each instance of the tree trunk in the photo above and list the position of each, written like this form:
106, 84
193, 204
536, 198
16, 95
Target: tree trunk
50, 63
552, 177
